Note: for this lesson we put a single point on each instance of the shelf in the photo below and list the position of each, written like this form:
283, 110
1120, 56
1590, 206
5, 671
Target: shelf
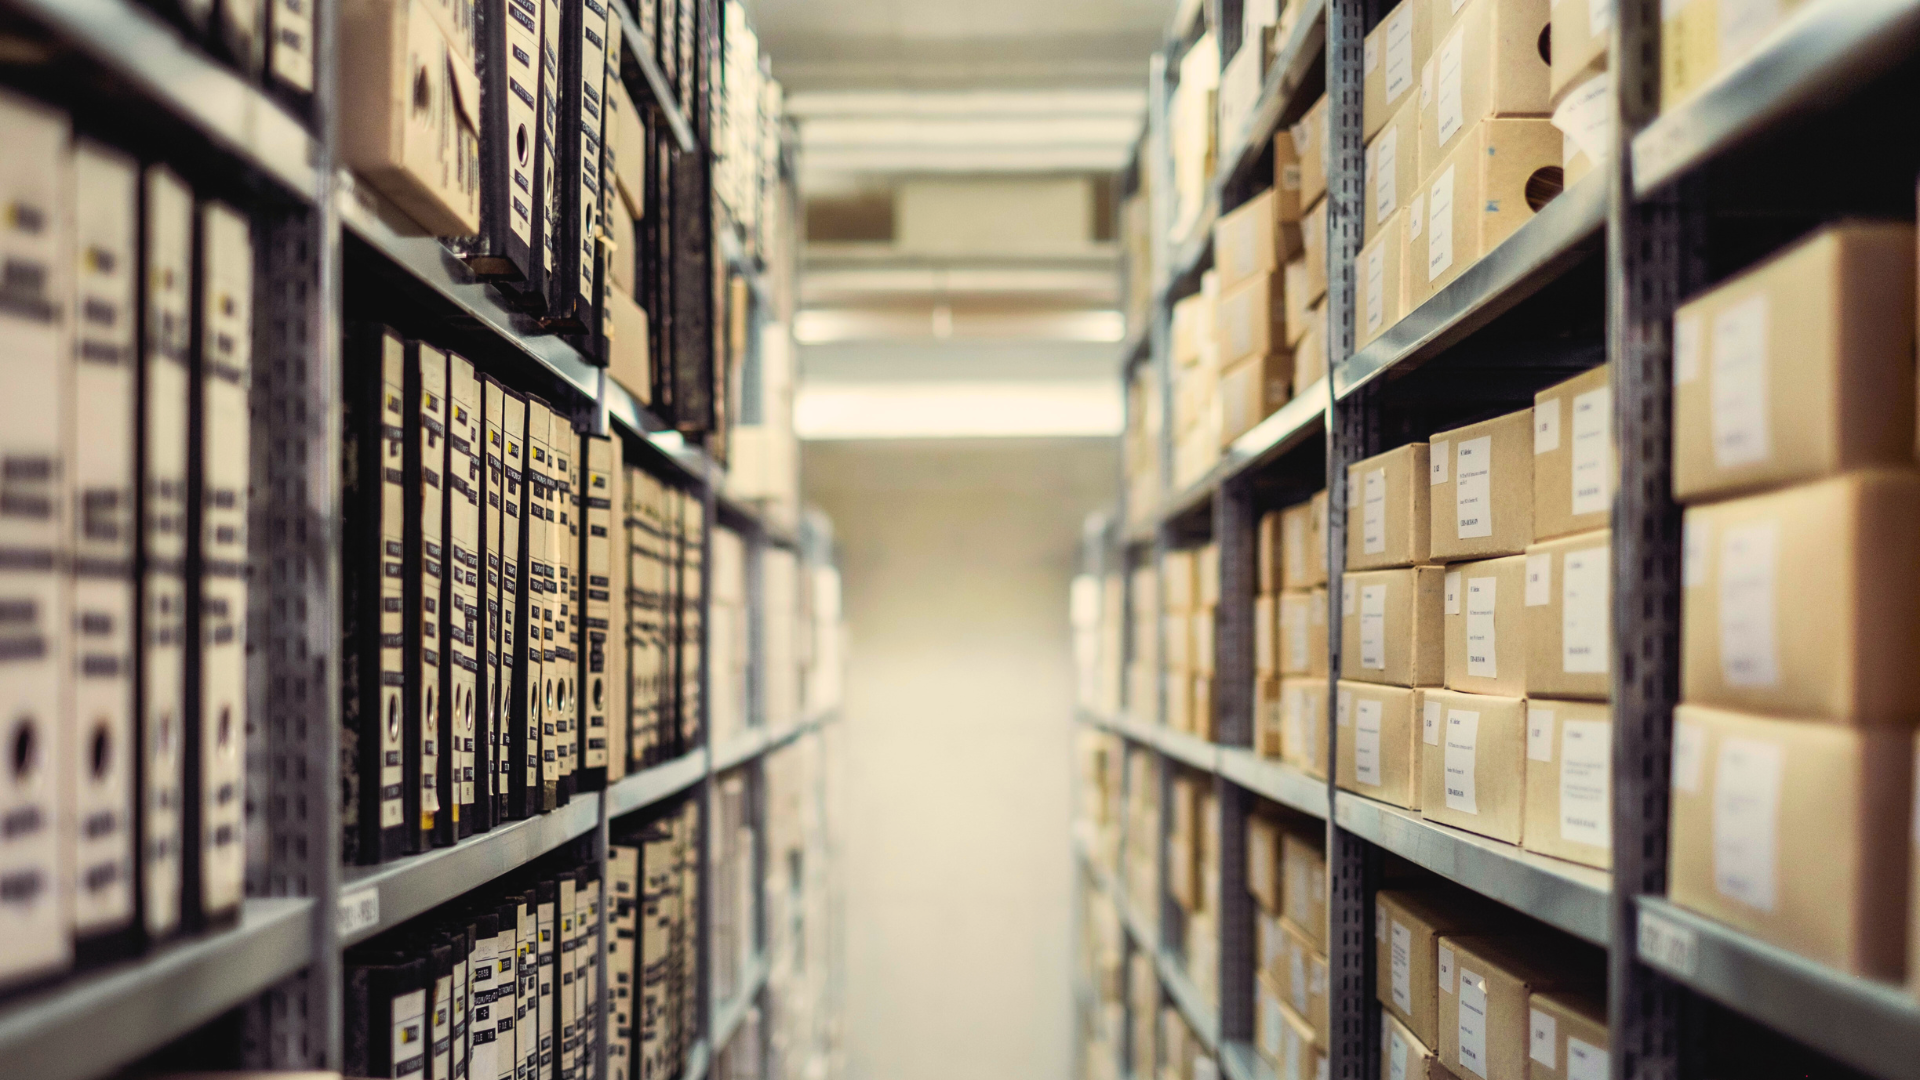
1188, 749
1291, 64
1565, 233
1186, 14
1274, 781
728, 1015
236, 115
1144, 938
662, 94
697, 1059
1822, 50
1135, 346
649, 786
739, 750
1574, 898
1187, 255
95, 1023
1186, 997
1292, 424
1240, 1061
1871, 1025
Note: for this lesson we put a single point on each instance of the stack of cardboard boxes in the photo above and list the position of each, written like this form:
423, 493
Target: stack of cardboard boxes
1701, 39
1290, 636
1300, 176
1143, 1011
1287, 875
1793, 452
1140, 445
1143, 827
1193, 875
1101, 761
1251, 246
1264, 28
1578, 87
1190, 581
1192, 112
1184, 1056
1143, 625
1197, 417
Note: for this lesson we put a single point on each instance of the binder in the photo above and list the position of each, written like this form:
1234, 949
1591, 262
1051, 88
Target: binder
426, 465
690, 664
374, 570
542, 592
462, 941
509, 137
520, 666
490, 761
566, 977
526, 1023
35, 884
217, 558
161, 675
483, 998
595, 604
583, 74
290, 44
439, 1010
530, 675
459, 602
532, 294
565, 445
642, 617
103, 455
623, 870
386, 1025
614, 649
241, 31
547, 895
592, 931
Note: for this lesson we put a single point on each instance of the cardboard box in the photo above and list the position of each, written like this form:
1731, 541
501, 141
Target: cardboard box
1266, 635
1191, 329
1251, 390
1201, 625
1698, 41
1796, 833
629, 359
1581, 33
1392, 628
1806, 602
1298, 1058
1179, 580
1303, 632
1567, 1034
1269, 944
1177, 642
1303, 725
1392, 57
410, 112
626, 143
1203, 715
1473, 767
1269, 554
1393, 168
1490, 512
1185, 839
1313, 246
1266, 718
1310, 356
1303, 531
1497, 176
1569, 617
1251, 241
1575, 465
1303, 982
1311, 146
1298, 303
1264, 881
1486, 621
1408, 925
1485, 1028
1569, 811
1270, 1023
1490, 62
1179, 701
1303, 863
1387, 514
1287, 182
1378, 751
1799, 368
1403, 1057
1380, 282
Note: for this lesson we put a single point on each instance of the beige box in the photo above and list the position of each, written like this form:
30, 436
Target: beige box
1249, 319
1570, 781
1796, 833
1403, 1057
1266, 718
1408, 925
629, 360
1179, 701
1473, 763
1387, 513
627, 149
1191, 326
1303, 863
1392, 57
1497, 176
1392, 629
1264, 880
1311, 142
1297, 1055
1581, 32
1799, 368
1303, 632
1488, 63
1302, 980
1569, 617
1298, 303
1485, 1027
1310, 356
1567, 1034
1201, 627
1380, 281
1698, 41
1313, 245
1486, 626
1287, 185
1179, 581
1203, 718
1269, 944
1806, 602
1250, 241
1251, 390
1378, 751
1393, 168
1177, 642
1270, 1023
1481, 495
1303, 529
1303, 725
1266, 635
1185, 841
1269, 554
410, 108
1575, 466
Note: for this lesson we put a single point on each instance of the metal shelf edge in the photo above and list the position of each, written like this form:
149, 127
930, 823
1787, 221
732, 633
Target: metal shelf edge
1240, 1061
649, 786
728, 1015
1306, 41
1274, 780
1286, 428
1186, 997
663, 98
697, 1057
739, 750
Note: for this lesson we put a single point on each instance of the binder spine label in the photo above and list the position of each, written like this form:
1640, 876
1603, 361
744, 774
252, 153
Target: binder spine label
409, 1034
431, 556
393, 599
595, 599
462, 616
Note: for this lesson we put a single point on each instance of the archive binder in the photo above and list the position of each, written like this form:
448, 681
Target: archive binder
566, 606
529, 654
547, 896
595, 597
161, 679
101, 453
461, 937
543, 712
459, 600
426, 465
35, 896
532, 295
614, 648
217, 556
520, 658
490, 761
583, 74
565, 977
526, 1013
440, 964
482, 1034
290, 44
386, 1024
509, 136
623, 895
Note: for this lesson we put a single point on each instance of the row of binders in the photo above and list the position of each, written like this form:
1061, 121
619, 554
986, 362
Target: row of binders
269, 40
126, 337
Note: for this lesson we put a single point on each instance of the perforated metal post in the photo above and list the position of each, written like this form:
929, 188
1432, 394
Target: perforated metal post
1234, 529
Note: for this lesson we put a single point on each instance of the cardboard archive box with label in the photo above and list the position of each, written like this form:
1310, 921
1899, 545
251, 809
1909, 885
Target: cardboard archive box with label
1575, 465
1473, 767
1567, 1034
1806, 602
1303, 535
1266, 718
1269, 1022
1387, 513
1403, 1057
1303, 632
1303, 866
1569, 808
1393, 168
1408, 925
1569, 616
1252, 239
1801, 367
1581, 33
1392, 57
1798, 834
1485, 1019
1302, 980
1264, 881
1303, 725
1494, 179
1286, 181
1490, 62
1310, 355
411, 112
1378, 750
1310, 144
1487, 646
1380, 281
1481, 478
1392, 630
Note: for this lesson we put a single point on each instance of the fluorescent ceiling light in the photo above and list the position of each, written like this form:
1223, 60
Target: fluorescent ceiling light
958, 410
819, 326
967, 103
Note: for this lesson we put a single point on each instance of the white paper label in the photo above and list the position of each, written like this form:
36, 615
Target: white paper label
1447, 93
1439, 455
1742, 23
1746, 812
1402, 956
1592, 479
1542, 1043
1482, 661
1741, 433
356, 911
1386, 191
1452, 581
1343, 709
1426, 83
1748, 558
1396, 1056
1373, 531
1540, 579
1415, 216
1586, 775
1585, 116
1539, 733
1686, 348
1689, 756
1696, 534
1373, 627
1443, 971
1430, 723
1666, 944
1473, 488
1366, 743
1348, 607
1586, 612
1585, 1061
1376, 284
1546, 426
1380, 922
1399, 76
1463, 733
1473, 1021
1440, 227
1370, 57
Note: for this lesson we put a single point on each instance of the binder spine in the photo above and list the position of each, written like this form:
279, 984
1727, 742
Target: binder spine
519, 665
426, 464
490, 758
566, 604
290, 45
459, 599
462, 1001
546, 168
566, 980
614, 648
542, 733
623, 867
595, 596
549, 1016
526, 1013
583, 72
510, 135
440, 1011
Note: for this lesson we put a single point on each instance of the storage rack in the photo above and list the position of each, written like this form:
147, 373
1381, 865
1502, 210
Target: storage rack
132, 77
1689, 197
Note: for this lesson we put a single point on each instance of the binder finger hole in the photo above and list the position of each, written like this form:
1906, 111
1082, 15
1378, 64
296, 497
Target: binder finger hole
102, 750
26, 749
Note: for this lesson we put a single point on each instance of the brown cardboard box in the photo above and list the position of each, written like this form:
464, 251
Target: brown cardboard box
1567, 1034
1177, 642
1310, 356
1484, 1017
1179, 583
1303, 981
1310, 146
1581, 34
1303, 725
1486, 626
1270, 1023
1408, 924
1474, 776
1251, 241
1497, 176
411, 106
1490, 62
1251, 390
1191, 325
1380, 281
1268, 554
1298, 303
1796, 833
1203, 718
1185, 840
1266, 635
1200, 631
1695, 46
627, 146
1286, 181
1303, 632
1570, 781
1179, 701
1269, 943
1393, 167
1266, 718
1387, 514
1799, 368
1403, 1057
1569, 617
1575, 466
1378, 750
1303, 531
1250, 319
1492, 512
1392, 629
1313, 244
1263, 861
628, 360
1806, 602
1393, 55
1298, 1055
1303, 863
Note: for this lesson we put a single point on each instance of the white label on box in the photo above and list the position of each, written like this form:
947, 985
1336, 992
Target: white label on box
1746, 817
1343, 711
1348, 608
1376, 282
1440, 224
1452, 581
1380, 922
1430, 723
356, 911
1439, 455
1741, 432
1742, 23
1540, 579
1599, 17
1586, 612
1386, 192
1696, 534
1749, 555
1373, 627
1463, 735
1689, 756
1443, 970
1396, 1056
1482, 661
1402, 967
1296, 611
1297, 976
1447, 122
1543, 1041
1585, 1061
1539, 733
1473, 1021
1592, 479
1473, 488
1399, 76
1546, 426
1686, 348
1371, 56
1585, 116
1366, 743
1426, 83
1586, 775
1415, 210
